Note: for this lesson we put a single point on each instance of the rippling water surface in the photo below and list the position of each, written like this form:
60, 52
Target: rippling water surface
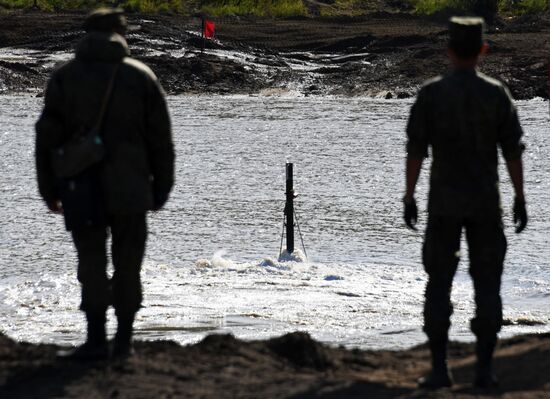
211, 258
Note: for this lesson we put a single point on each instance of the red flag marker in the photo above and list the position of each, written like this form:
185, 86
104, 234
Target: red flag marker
209, 28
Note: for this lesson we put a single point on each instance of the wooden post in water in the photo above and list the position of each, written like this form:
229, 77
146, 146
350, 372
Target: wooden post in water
289, 208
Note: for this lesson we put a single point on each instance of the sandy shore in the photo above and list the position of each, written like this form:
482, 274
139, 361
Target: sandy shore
292, 366
381, 54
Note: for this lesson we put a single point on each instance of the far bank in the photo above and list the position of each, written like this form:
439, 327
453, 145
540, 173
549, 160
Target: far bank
380, 55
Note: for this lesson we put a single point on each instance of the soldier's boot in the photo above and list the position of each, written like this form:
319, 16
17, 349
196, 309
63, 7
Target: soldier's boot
122, 345
485, 377
440, 375
95, 347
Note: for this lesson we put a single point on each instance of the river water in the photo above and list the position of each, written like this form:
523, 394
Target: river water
211, 262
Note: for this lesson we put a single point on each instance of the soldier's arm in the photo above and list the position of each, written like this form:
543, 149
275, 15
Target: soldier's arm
510, 133
413, 167
515, 169
417, 142
49, 130
417, 150
159, 143
509, 129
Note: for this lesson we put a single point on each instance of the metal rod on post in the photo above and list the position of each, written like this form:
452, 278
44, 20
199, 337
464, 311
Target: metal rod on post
289, 208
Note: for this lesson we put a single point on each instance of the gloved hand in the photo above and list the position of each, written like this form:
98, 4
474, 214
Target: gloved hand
159, 199
520, 214
55, 206
411, 213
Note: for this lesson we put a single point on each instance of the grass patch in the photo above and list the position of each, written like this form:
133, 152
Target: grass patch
350, 8
432, 6
15, 3
279, 8
511, 6
534, 6
146, 6
262, 8
275, 8
152, 6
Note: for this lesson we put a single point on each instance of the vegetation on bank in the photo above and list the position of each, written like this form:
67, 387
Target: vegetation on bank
145, 6
288, 8
276, 8
503, 6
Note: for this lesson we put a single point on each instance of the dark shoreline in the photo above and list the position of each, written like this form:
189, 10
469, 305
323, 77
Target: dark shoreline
292, 366
379, 55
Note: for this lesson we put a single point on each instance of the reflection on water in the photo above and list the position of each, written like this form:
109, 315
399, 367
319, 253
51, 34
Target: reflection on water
363, 284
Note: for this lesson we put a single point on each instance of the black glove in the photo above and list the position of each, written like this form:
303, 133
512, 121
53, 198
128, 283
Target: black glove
55, 206
411, 213
159, 199
520, 215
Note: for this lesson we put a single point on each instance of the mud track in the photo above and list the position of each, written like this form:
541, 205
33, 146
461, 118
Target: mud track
381, 54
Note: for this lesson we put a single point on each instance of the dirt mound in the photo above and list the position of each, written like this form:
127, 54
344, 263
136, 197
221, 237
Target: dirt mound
293, 366
300, 349
219, 344
203, 74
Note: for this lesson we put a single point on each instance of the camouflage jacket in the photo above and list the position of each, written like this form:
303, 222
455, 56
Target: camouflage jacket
464, 117
136, 127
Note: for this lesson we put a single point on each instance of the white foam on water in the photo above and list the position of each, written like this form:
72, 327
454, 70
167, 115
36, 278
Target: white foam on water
280, 92
296, 256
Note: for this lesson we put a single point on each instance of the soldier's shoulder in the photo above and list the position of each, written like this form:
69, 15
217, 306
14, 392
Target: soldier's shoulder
140, 67
489, 81
63, 67
492, 83
432, 82
429, 85
495, 87
65, 70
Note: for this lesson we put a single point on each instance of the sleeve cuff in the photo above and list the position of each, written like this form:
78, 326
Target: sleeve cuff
417, 151
513, 153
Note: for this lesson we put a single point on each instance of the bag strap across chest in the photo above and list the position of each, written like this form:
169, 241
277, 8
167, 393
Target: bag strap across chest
106, 99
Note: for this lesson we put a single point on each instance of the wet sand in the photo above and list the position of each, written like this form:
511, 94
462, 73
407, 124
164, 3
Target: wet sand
292, 366
381, 54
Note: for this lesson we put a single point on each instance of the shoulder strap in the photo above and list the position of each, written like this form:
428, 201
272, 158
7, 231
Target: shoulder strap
106, 99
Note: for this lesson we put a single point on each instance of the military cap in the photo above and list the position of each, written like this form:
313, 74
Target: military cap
105, 19
466, 35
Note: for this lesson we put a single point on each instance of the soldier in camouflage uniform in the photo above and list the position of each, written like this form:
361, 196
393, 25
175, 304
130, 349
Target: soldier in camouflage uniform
112, 197
464, 117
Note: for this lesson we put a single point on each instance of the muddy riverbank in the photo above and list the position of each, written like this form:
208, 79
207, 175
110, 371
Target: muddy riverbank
381, 54
291, 366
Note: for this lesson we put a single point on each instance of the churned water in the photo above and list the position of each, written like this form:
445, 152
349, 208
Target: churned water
211, 258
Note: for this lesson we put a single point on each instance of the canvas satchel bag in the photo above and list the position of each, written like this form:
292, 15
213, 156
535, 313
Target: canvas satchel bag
84, 149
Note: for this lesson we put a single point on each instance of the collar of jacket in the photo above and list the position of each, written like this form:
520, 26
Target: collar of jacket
103, 47
465, 70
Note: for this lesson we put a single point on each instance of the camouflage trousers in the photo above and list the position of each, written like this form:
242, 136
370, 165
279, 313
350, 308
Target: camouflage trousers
123, 291
441, 252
